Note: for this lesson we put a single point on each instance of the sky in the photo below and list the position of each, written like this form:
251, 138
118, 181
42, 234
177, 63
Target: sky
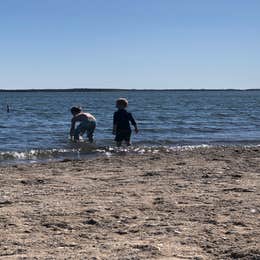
136, 44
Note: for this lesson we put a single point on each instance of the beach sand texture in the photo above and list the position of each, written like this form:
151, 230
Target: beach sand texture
190, 204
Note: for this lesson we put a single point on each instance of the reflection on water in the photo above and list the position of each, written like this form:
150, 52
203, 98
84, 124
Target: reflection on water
37, 125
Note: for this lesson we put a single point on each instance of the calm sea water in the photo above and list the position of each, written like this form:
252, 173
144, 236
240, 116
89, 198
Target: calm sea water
38, 123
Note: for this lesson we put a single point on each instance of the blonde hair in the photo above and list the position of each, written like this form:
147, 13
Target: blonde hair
121, 102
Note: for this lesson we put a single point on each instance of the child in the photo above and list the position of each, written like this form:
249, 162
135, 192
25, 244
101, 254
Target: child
121, 126
87, 123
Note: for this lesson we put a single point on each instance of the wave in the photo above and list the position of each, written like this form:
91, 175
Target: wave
83, 151
31, 154
80, 151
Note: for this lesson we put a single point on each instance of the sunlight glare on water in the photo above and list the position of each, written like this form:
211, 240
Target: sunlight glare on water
40, 121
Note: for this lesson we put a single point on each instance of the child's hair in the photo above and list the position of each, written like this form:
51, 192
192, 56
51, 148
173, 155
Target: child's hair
75, 110
122, 102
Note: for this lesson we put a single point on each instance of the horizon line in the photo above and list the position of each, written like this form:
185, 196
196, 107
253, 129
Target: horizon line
117, 89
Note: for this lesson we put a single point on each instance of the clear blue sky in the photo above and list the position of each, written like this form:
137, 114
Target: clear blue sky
175, 44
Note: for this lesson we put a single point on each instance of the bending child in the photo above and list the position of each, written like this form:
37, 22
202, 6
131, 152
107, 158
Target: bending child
121, 125
87, 123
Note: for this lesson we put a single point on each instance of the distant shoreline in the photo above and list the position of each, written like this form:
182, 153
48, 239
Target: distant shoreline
116, 90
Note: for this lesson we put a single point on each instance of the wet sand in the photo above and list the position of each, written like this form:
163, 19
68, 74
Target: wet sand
196, 204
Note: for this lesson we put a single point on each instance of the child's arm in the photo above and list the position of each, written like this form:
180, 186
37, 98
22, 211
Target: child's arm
114, 123
114, 130
136, 129
133, 122
72, 127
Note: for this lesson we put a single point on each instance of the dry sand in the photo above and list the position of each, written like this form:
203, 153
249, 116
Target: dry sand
199, 204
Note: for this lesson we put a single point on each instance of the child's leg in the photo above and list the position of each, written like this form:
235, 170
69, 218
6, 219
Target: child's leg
118, 139
77, 133
128, 143
123, 136
90, 131
127, 139
90, 136
80, 130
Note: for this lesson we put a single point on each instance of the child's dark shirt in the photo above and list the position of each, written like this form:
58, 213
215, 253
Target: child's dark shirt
122, 118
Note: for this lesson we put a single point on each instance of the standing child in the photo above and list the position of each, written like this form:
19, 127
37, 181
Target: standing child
87, 123
121, 126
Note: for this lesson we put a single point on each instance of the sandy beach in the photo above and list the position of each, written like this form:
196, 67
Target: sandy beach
191, 204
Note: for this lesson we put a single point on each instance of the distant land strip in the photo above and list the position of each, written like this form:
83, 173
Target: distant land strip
115, 90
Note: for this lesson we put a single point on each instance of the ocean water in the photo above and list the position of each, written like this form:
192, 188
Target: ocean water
37, 126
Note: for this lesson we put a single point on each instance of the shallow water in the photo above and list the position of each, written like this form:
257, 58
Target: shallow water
37, 126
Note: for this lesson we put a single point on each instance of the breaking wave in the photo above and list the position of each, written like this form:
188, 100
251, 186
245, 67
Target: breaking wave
85, 151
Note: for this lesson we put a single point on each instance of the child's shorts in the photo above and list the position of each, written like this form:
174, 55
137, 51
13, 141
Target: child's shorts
85, 126
123, 135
